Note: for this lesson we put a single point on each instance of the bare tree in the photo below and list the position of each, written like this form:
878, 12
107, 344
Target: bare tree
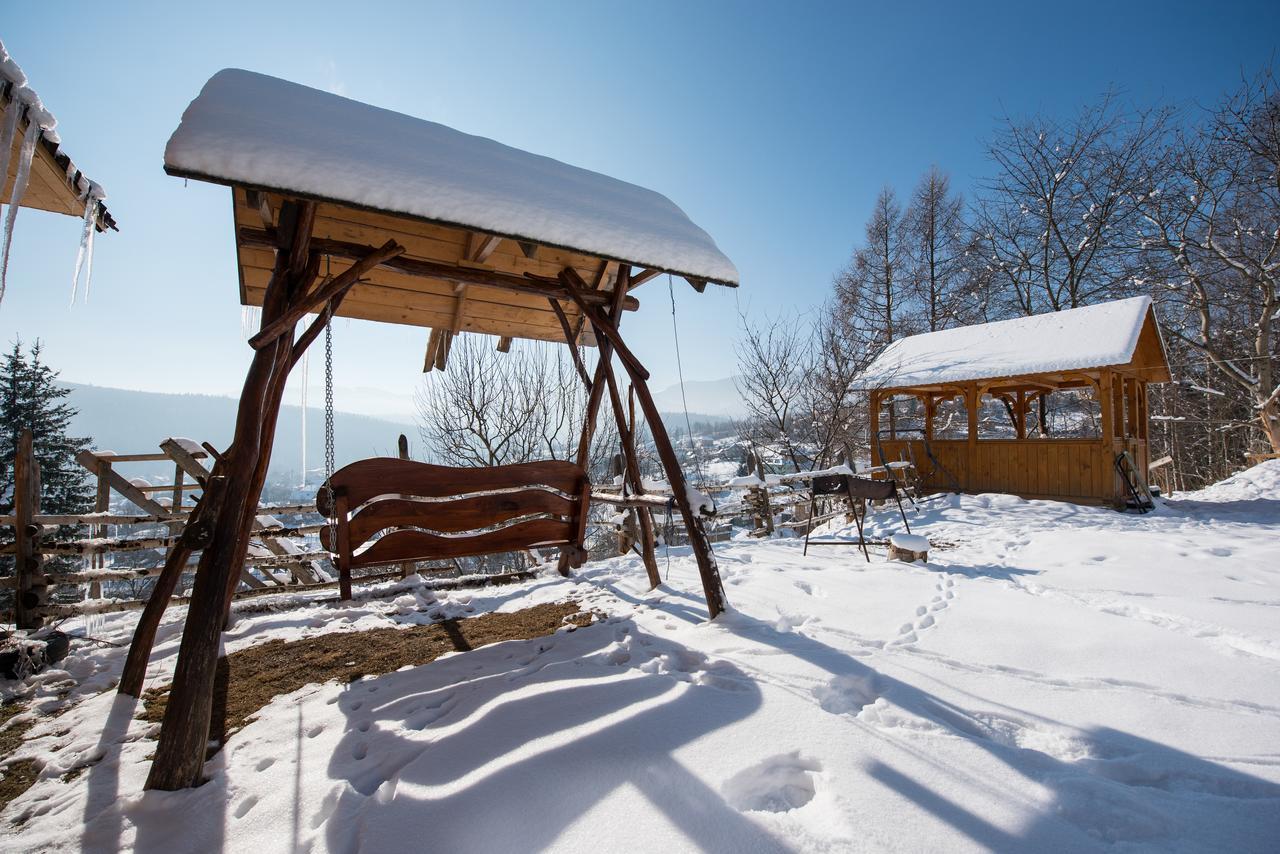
872, 291
1057, 219
937, 247
490, 408
1212, 233
796, 377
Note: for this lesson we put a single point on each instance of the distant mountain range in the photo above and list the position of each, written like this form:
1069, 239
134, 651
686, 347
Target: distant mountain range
130, 421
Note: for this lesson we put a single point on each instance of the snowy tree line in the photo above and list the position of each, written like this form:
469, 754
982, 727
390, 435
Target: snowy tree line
1115, 201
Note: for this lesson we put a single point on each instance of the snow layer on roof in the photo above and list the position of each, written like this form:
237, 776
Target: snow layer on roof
22, 91
1075, 339
253, 129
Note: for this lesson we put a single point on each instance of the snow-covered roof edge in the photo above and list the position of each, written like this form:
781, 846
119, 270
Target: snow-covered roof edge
15, 86
253, 130
1095, 336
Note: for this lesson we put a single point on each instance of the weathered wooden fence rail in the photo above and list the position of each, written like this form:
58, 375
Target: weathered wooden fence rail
277, 556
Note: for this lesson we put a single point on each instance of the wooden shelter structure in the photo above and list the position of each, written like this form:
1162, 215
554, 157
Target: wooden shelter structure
344, 209
1048, 406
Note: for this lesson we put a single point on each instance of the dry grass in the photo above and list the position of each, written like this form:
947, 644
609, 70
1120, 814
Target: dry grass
18, 776
249, 679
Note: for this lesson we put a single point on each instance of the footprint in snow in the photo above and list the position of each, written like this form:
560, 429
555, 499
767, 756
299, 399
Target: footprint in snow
242, 809
778, 784
359, 751
264, 764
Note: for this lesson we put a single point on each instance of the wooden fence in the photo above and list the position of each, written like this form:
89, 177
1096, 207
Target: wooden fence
277, 556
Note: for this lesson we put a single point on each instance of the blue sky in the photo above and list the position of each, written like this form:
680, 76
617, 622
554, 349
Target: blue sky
772, 124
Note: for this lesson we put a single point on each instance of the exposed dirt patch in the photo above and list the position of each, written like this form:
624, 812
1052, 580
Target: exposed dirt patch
250, 678
17, 776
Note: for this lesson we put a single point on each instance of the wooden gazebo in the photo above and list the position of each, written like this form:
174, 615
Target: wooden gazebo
1048, 406
345, 209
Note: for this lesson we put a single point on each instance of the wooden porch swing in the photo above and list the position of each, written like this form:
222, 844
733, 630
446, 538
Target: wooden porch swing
442, 230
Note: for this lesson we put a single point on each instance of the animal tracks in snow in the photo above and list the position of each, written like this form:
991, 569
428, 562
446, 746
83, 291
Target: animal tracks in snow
926, 614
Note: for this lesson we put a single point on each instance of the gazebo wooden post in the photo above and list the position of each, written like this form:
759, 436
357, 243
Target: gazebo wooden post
606, 329
873, 408
184, 735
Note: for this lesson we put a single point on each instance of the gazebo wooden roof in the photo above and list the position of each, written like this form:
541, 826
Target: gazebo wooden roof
487, 230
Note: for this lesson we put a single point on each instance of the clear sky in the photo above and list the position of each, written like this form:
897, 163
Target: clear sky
772, 124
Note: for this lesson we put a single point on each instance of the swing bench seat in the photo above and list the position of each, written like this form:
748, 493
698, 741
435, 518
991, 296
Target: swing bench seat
387, 510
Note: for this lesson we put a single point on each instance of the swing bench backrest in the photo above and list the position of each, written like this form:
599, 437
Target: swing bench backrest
854, 487
388, 510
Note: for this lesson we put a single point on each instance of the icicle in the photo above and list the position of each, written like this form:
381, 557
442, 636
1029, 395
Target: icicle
84, 256
20, 179
6, 135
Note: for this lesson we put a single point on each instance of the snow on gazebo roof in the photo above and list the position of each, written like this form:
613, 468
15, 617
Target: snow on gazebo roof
1095, 336
257, 131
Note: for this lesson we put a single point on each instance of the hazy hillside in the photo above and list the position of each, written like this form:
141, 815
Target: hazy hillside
128, 421
708, 398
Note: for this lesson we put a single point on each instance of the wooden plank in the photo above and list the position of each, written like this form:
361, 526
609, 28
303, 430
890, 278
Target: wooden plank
366, 479
400, 546
457, 516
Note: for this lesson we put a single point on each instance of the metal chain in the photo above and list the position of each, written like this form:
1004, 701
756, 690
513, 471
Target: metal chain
328, 412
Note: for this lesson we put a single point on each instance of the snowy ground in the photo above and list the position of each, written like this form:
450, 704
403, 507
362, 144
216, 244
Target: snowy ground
1064, 679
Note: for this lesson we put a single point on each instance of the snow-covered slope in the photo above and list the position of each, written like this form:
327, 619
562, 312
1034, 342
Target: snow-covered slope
1058, 679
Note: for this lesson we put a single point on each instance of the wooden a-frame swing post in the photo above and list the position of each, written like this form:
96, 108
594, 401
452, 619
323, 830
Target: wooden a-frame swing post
626, 435
607, 332
239, 477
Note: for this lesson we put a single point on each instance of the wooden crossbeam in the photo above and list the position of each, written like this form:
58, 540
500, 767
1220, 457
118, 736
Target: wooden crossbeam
536, 285
643, 276
336, 286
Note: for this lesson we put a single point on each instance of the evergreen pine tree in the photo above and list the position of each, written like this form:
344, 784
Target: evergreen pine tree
31, 399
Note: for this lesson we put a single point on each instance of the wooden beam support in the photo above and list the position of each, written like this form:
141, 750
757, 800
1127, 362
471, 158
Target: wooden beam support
632, 461
231, 512
480, 246
327, 291
529, 248
603, 325
571, 340
712, 589
504, 344
596, 394
537, 286
643, 276
433, 346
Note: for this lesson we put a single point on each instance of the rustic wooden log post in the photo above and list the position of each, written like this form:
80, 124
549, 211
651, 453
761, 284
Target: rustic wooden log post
184, 734
596, 392
402, 451
632, 473
101, 504
31, 590
766, 507
606, 330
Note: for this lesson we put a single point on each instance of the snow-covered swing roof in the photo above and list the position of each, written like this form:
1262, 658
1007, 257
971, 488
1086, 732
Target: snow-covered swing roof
452, 199
1118, 334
